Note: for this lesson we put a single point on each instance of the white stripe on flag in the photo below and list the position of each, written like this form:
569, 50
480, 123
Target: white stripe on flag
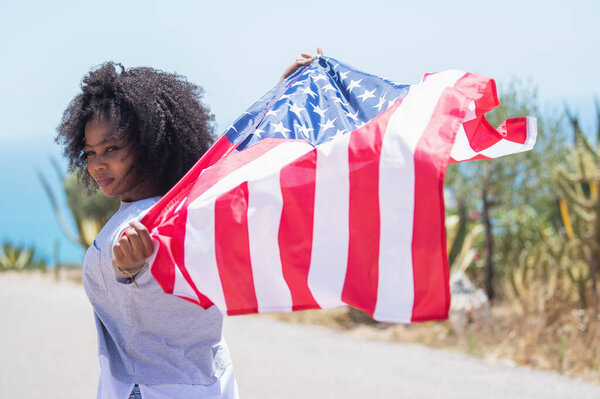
272, 160
200, 224
461, 149
395, 293
265, 204
200, 257
471, 111
329, 256
181, 286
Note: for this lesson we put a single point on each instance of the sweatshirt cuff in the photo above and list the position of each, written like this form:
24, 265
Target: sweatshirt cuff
129, 280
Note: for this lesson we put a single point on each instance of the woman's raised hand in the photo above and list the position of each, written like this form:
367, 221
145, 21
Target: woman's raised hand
132, 250
306, 60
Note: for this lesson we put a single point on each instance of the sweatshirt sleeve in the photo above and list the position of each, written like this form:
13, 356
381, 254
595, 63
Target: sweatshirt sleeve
119, 233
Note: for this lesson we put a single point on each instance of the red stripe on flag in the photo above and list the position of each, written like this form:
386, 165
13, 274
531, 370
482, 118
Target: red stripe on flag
362, 274
232, 251
475, 158
514, 129
430, 260
163, 208
480, 89
191, 186
481, 134
489, 99
165, 274
296, 227
161, 215
178, 251
170, 236
233, 161
209, 177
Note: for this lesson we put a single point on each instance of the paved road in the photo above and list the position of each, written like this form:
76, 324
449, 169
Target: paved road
48, 350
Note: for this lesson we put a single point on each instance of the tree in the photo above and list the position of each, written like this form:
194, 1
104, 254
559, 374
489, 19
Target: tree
513, 195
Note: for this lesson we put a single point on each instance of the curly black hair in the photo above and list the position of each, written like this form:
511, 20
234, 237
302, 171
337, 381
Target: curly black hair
162, 113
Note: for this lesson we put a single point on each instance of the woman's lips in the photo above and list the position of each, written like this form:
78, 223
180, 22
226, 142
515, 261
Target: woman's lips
105, 181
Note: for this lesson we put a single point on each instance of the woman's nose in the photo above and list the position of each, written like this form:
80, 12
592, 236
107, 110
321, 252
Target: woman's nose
96, 163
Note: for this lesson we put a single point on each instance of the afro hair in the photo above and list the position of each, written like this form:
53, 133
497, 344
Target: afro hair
161, 113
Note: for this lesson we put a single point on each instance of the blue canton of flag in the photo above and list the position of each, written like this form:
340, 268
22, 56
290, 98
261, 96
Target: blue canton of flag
327, 100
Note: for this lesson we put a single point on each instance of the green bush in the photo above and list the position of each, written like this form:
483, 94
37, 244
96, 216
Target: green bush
15, 257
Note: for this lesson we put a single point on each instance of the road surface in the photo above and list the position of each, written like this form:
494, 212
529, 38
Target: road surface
48, 350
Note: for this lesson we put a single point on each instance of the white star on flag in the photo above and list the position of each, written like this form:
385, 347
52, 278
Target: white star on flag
303, 129
279, 128
272, 112
308, 91
339, 100
366, 95
296, 109
328, 124
354, 116
391, 102
328, 87
320, 111
353, 84
379, 105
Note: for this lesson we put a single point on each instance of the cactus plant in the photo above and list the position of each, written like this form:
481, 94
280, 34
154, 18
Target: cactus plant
462, 237
579, 202
15, 257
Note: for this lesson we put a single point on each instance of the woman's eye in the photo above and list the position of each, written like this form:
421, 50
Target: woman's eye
111, 149
88, 153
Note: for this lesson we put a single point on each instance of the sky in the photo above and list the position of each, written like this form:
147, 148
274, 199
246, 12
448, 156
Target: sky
237, 51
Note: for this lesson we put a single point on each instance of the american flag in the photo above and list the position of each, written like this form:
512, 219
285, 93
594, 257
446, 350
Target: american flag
329, 191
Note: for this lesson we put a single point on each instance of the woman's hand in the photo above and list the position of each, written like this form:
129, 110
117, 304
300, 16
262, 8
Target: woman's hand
306, 60
132, 250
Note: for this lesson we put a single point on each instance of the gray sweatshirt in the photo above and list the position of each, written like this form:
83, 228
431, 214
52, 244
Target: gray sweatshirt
147, 336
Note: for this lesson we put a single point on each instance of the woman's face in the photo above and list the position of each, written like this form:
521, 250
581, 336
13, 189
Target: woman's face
109, 162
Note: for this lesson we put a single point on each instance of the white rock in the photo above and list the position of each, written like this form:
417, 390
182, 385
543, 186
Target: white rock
468, 304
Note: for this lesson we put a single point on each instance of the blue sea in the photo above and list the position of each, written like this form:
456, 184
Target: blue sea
26, 216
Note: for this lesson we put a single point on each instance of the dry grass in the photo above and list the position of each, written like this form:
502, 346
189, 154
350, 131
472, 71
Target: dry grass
557, 338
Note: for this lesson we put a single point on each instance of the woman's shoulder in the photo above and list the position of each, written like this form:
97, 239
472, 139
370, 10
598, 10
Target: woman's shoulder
128, 211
